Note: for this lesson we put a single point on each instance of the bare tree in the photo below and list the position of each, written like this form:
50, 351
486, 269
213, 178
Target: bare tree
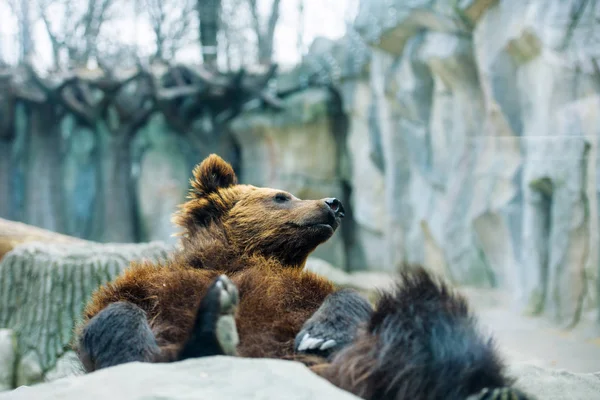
237, 46
78, 30
171, 22
265, 34
301, 27
209, 17
22, 10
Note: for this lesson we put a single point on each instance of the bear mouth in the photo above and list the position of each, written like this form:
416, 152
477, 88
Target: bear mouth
325, 226
322, 226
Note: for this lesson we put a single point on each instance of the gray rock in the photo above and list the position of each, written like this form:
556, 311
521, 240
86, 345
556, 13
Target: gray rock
367, 181
554, 384
44, 288
362, 280
66, 365
29, 369
8, 358
388, 25
204, 378
227, 377
483, 112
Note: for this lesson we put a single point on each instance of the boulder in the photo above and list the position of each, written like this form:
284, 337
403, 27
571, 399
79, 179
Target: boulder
43, 290
8, 355
555, 384
212, 378
224, 377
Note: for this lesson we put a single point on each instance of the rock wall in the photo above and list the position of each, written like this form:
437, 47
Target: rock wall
486, 115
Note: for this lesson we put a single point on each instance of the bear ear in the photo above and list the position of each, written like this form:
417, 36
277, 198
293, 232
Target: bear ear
212, 174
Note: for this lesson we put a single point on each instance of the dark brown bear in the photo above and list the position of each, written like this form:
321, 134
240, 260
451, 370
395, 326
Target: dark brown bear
237, 287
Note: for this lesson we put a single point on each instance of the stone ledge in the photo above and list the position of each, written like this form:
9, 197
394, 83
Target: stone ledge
215, 378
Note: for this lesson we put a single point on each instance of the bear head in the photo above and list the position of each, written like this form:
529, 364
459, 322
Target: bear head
253, 220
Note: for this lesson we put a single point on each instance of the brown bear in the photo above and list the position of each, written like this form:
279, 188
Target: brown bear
237, 286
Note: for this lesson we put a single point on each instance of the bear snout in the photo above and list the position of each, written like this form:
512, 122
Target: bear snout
336, 206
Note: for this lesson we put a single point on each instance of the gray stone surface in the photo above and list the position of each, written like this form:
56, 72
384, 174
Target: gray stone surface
484, 163
363, 280
555, 384
228, 378
43, 290
8, 357
212, 378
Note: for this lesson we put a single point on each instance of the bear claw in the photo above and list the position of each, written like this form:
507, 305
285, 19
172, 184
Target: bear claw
215, 330
311, 343
228, 296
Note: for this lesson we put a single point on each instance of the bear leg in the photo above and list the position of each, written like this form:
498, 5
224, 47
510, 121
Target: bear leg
118, 334
214, 331
334, 325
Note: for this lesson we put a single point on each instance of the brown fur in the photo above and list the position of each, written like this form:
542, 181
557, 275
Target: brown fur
240, 231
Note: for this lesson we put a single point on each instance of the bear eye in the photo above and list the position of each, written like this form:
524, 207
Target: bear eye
281, 198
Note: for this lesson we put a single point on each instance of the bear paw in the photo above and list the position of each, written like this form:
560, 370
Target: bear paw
321, 338
334, 325
225, 329
227, 294
214, 331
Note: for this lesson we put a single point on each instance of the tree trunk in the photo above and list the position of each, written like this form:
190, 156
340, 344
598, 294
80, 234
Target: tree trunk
208, 13
25, 31
43, 177
44, 289
265, 42
5, 178
117, 204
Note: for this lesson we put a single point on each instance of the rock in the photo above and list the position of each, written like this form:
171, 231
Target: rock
227, 377
14, 233
485, 118
8, 358
474, 9
367, 281
66, 365
559, 222
551, 384
44, 288
29, 369
204, 378
367, 180
388, 25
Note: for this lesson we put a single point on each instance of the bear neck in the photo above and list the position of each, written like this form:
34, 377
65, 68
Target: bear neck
211, 249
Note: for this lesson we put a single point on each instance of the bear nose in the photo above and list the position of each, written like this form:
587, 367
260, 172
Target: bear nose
336, 206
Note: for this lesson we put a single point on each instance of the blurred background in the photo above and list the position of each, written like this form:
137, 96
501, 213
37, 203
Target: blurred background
461, 134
